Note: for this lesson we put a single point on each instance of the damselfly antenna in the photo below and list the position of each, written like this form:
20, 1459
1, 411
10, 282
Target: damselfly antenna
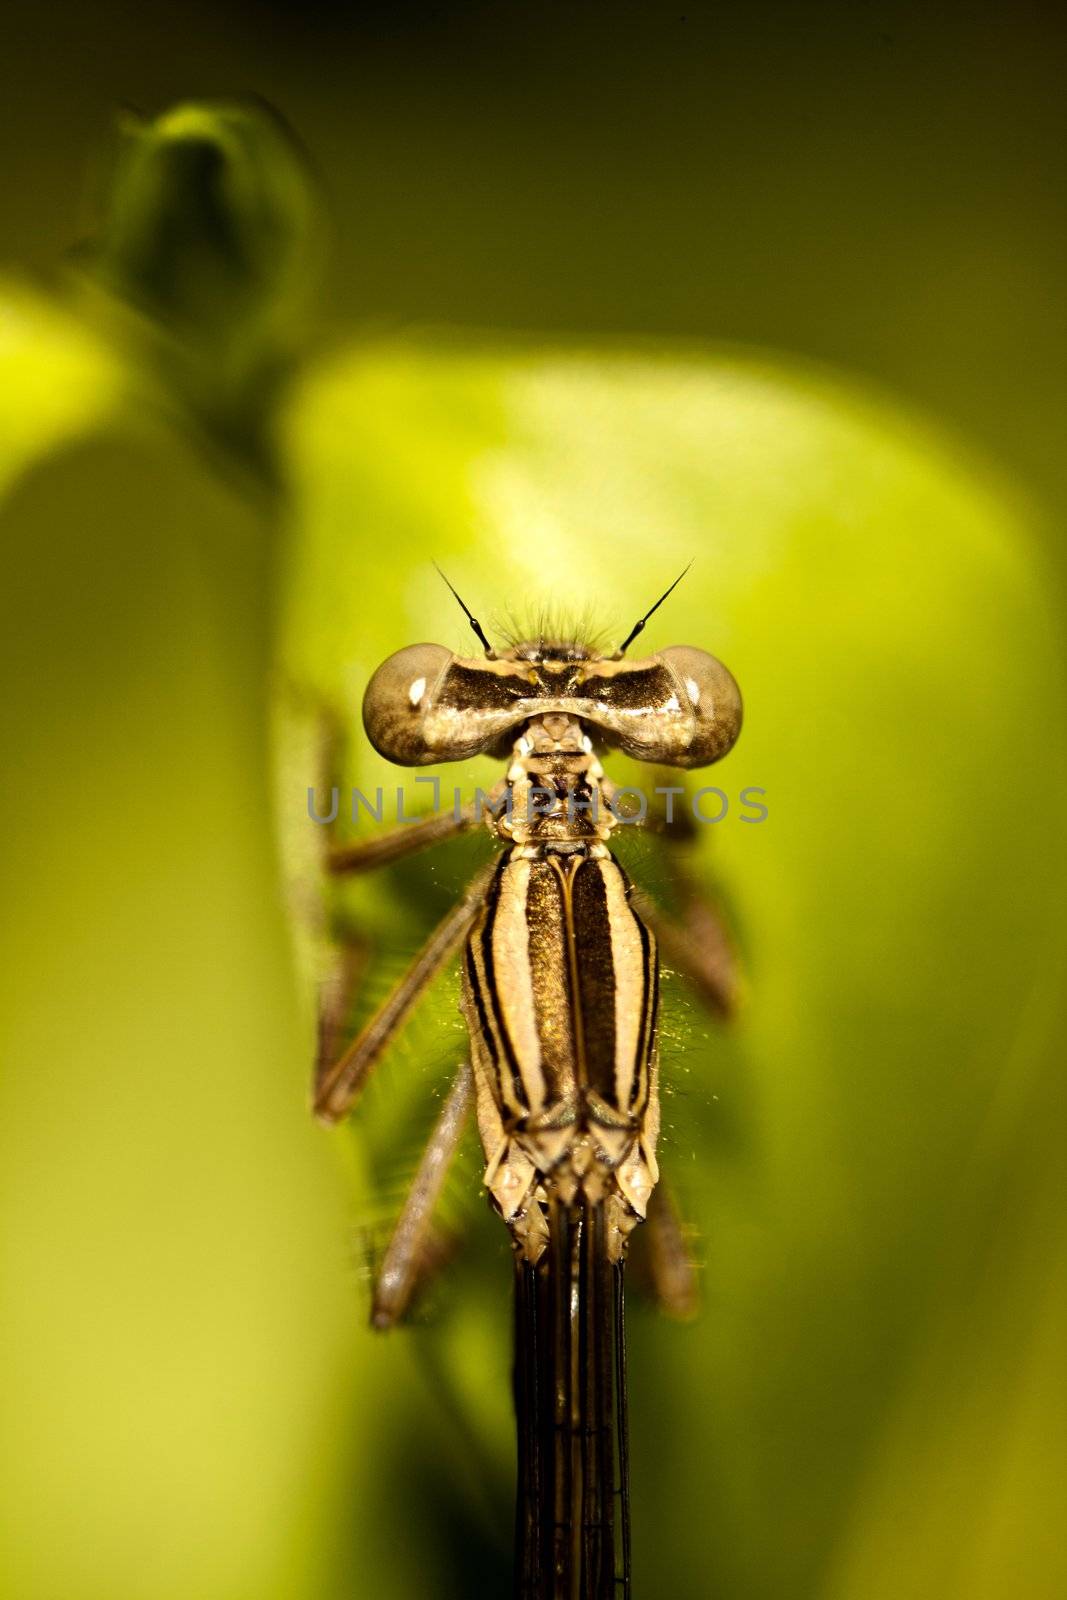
473, 620
637, 627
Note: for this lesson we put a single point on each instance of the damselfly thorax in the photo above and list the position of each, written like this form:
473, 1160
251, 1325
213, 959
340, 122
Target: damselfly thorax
560, 985
560, 991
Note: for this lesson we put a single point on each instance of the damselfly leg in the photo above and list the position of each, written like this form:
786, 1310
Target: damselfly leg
349, 954
341, 1073
337, 1088
694, 936
408, 1256
363, 855
671, 1278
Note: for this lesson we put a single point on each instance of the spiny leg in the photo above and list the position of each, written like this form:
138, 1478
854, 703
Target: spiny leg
409, 1255
349, 950
331, 741
341, 1082
698, 946
671, 1270
348, 958
694, 939
698, 940
349, 955
345, 951
363, 855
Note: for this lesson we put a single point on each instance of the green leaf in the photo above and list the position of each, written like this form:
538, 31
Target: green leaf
210, 223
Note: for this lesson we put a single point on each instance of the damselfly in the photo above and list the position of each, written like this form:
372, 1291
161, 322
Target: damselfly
560, 987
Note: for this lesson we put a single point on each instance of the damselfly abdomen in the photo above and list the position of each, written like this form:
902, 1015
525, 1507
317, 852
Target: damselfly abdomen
559, 992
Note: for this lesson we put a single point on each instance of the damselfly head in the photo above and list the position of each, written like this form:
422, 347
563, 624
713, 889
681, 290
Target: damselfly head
678, 708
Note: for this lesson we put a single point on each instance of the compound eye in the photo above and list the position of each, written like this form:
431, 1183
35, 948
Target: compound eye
708, 691
397, 700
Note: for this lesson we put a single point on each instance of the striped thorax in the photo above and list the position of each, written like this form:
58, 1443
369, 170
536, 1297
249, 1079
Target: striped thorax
559, 993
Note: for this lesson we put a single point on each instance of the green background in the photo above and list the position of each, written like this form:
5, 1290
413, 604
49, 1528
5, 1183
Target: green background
871, 1401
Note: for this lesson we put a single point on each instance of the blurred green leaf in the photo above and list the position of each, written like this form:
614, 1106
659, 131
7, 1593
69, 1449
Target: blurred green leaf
211, 232
177, 1329
59, 380
211, 224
